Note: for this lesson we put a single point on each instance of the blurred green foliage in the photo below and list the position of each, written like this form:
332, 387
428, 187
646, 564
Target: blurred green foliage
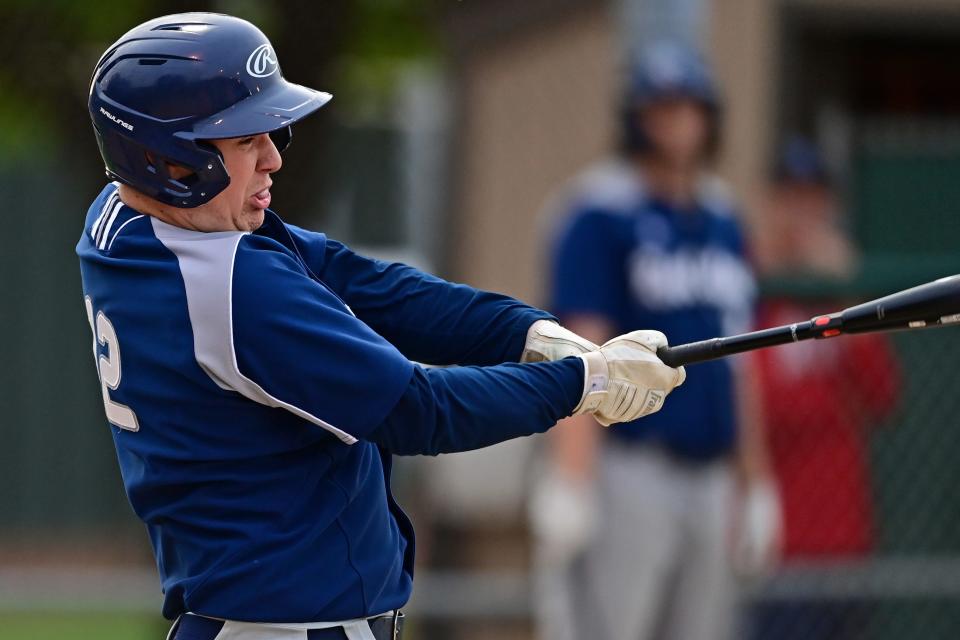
81, 626
48, 50
23, 136
385, 36
353, 47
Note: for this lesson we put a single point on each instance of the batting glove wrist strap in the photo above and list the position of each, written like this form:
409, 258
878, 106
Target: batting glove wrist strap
596, 379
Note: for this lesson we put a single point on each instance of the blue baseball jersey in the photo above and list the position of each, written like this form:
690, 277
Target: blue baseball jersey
243, 376
641, 263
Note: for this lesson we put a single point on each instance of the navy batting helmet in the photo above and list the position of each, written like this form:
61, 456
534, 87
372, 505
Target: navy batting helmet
170, 84
663, 71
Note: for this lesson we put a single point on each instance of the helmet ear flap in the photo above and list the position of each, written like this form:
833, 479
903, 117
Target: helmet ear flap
282, 137
183, 187
210, 176
126, 158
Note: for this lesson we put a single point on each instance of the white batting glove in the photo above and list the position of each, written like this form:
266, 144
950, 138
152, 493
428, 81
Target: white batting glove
759, 530
563, 517
625, 380
547, 340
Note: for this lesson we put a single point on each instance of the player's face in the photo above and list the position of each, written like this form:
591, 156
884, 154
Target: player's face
249, 162
678, 129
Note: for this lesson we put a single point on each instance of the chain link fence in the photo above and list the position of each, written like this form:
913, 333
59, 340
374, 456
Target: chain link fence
864, 439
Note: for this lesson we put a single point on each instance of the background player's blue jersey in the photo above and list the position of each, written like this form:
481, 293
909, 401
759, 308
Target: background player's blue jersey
642, 264
241, 382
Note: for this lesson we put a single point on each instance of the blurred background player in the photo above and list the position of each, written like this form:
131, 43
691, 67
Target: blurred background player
651, 239
820, 400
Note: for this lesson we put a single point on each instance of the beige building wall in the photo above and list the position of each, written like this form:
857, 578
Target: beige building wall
743, 49
536, 107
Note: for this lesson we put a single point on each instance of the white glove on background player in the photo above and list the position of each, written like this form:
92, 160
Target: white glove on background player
625, 380
759, 530
547, 340
563, 517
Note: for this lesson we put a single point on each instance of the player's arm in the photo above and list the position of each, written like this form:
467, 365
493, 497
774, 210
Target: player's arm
758, 526
574, 444
587, 290
753, 460
562, 506
427, 318
463, 408
293, 345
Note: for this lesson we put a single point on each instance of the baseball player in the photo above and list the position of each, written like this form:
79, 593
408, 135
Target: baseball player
651, 239
257, 376
821, 401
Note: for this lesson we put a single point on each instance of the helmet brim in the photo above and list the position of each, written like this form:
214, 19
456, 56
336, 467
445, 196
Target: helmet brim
276, 108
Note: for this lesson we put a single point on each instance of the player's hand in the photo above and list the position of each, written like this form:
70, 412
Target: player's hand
563, 516
547, 340
758, 530
625, 379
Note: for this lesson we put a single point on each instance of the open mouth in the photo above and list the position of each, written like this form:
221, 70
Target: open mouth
261, 199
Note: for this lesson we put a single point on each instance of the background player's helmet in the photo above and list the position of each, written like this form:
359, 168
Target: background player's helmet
170, 84
662, 71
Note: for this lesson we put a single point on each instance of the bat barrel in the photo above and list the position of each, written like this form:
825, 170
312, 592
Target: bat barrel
930, 304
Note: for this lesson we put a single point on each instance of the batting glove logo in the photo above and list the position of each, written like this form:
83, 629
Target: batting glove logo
262, 62
653, 401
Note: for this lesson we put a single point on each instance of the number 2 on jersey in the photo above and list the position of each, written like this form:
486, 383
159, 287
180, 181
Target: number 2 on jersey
108, 366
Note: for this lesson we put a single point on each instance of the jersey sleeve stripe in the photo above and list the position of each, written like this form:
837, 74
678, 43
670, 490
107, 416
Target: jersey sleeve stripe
117, 233
206, 265
253, 390
105, 229
108, 205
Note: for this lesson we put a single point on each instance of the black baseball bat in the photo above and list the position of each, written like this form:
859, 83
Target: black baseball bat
933, 304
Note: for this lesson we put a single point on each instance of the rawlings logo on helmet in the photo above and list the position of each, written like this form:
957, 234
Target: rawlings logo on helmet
125, 125
262, 62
